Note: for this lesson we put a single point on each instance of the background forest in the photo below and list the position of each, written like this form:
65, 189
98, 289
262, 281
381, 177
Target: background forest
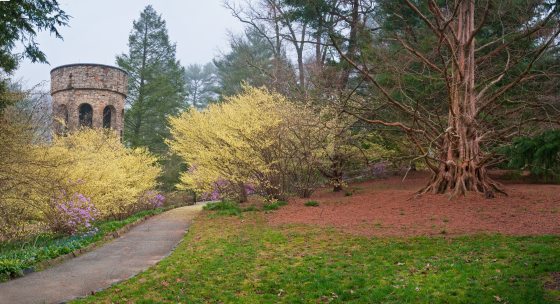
313, 93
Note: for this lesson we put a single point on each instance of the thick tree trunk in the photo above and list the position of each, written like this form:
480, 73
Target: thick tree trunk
458, 176
461, 168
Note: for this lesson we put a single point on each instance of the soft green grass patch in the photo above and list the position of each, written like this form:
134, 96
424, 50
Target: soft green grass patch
250, 209
223, 208
312, 204
15, 257
244, 260
228, 208
274, 205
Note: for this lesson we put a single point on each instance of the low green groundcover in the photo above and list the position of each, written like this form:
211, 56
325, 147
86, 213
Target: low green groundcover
16, 257
242, 259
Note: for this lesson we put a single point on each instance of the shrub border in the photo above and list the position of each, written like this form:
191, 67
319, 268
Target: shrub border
43, 265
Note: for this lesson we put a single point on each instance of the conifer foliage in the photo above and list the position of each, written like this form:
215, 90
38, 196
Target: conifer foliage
539, 154
156, 83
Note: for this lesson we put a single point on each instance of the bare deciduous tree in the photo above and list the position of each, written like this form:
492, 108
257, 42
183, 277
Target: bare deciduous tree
477, 111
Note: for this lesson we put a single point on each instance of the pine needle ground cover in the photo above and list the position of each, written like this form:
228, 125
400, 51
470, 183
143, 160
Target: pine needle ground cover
243, 259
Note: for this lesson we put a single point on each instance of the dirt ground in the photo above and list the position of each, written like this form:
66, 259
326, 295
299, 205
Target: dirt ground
389, 207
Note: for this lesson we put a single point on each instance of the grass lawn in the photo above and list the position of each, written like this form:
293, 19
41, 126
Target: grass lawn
17, 256
241, 259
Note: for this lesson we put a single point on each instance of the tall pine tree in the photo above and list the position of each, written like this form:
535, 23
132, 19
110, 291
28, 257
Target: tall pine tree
202, 84
156, 84
252, 60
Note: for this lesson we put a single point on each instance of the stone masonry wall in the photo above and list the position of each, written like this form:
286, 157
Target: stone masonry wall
98, 101
97, 85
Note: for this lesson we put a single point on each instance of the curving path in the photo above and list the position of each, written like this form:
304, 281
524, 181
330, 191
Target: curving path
141, 247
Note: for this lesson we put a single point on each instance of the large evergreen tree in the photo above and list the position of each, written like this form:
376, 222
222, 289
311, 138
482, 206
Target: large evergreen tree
253, 61
156, 84
19, 22
202, 84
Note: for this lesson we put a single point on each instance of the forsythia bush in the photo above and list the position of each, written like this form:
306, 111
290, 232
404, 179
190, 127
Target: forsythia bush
98, 166
276, 147
53, 185
232, 141
25, 179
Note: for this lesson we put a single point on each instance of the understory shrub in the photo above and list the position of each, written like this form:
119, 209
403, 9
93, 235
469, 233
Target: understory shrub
99, 166
26, 179
72, 214
244, 141
227, 190
103, 180
540, 154
151, 200
311, 204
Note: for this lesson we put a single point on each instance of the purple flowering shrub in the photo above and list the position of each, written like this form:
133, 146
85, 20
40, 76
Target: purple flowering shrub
221, 190
152, 200
379, 169
72, 213
249, 189
224, 190
212, 196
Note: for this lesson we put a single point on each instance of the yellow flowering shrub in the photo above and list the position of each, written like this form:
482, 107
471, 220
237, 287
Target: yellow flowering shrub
24, 180
234, 141
97, 165
259, 139
91, 163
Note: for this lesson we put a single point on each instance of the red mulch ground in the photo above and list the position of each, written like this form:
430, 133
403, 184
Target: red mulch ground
388, 207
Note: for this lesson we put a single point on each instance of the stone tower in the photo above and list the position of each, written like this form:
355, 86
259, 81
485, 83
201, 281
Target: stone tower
88, 95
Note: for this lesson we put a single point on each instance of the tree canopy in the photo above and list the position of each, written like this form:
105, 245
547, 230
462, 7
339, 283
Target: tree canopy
20, 21
202, 86
156, 82
458, 78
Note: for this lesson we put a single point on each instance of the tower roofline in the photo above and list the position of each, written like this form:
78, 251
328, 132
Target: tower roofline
88, 64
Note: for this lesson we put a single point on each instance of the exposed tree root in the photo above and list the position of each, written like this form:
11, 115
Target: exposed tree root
458, 180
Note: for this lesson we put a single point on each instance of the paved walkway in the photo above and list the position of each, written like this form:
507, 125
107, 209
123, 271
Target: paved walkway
138, 249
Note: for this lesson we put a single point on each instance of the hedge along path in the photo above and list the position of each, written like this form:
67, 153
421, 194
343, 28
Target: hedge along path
141, 247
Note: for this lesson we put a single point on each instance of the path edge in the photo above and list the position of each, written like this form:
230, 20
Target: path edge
107, 238
141, 272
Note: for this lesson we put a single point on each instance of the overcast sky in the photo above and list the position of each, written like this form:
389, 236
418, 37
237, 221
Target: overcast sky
99, 29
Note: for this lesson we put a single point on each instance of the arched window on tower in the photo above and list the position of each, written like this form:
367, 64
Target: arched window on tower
108, 117
85, 115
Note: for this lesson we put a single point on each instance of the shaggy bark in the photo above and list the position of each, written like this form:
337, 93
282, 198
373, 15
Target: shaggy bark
475, 89
461, 168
